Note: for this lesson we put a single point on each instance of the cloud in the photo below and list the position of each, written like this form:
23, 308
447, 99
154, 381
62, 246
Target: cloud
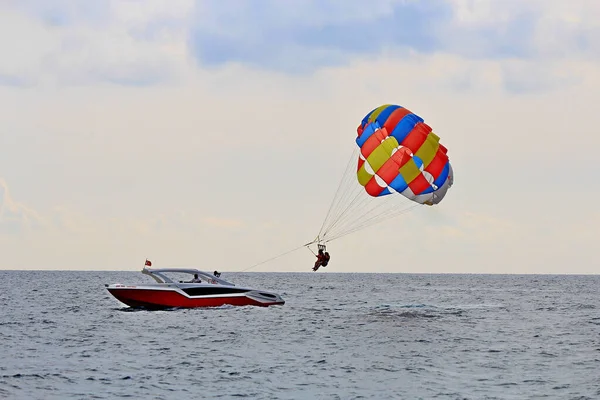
64, 237
223, 222
59, 13
151, 43
15, 81
536, 29
172, 158
482, 13
306, 36
16, 218
59, 44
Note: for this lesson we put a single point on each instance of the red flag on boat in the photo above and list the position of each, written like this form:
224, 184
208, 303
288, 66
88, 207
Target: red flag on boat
148, 263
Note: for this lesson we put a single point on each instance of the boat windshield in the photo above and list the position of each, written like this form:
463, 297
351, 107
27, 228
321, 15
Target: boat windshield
183, 276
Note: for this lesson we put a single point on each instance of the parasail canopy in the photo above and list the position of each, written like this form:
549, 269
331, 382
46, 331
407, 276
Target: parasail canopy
399, 153
401, 165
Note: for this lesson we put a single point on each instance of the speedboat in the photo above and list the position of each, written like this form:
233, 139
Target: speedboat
205, 290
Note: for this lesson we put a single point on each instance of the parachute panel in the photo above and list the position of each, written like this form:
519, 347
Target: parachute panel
385, 114
428, 149
409, 171
375, 141
399, 184
420, 183
405, 126
439, 162
366, 133
416, 137
443, 176
372, 116
394, 122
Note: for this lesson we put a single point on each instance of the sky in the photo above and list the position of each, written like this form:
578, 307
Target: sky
213, 134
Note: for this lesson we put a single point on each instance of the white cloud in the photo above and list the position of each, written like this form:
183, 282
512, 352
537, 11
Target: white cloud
559, 29
24, 43
244, 162
147, 42
16, 218
136, 44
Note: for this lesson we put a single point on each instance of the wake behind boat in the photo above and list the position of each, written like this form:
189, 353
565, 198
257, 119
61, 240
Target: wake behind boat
205, 290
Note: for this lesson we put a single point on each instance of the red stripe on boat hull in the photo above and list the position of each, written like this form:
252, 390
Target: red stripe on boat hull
167, 299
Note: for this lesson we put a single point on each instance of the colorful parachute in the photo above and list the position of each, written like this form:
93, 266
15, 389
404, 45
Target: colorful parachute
399, 153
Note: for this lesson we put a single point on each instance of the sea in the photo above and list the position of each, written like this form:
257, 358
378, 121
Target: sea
339, 336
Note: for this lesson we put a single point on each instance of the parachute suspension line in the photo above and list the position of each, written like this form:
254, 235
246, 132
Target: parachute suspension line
353, 209
347, 214
277, 256
371, 217
348, 198
373, 221
340, 195
355, 202
384, 208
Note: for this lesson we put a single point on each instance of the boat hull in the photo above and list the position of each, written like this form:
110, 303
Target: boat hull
160, 299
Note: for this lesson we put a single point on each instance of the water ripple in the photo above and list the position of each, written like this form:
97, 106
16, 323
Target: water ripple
337, 337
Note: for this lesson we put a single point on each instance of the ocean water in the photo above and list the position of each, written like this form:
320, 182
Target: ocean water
339, 336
